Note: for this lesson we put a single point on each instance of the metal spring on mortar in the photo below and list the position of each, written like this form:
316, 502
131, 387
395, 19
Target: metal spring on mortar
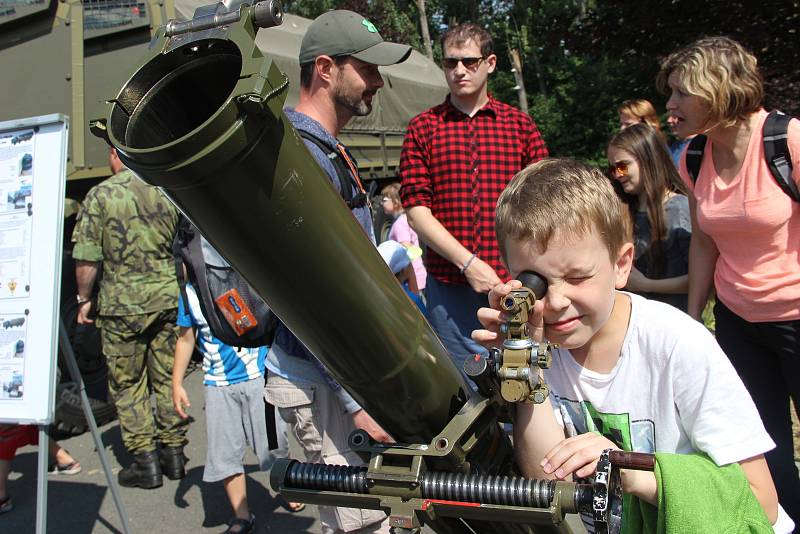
485, 489
321, 477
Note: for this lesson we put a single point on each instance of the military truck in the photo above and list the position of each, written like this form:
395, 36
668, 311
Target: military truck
72, 56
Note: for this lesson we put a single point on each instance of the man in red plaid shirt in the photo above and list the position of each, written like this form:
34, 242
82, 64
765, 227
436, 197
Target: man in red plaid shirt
457, 158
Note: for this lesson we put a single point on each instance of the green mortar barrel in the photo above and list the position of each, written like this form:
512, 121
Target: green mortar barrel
202, 118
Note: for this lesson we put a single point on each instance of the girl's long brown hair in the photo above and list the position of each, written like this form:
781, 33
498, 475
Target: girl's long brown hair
657, 175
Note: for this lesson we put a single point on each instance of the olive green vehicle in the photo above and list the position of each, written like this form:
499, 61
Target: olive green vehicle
71, 57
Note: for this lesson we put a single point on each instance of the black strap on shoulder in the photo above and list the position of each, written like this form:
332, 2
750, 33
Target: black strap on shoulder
776, 152
694, 156
346, 181
182, 236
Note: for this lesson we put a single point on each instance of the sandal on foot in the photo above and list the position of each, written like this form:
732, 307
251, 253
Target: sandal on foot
72, 468
291, 507
6, 505
237, 525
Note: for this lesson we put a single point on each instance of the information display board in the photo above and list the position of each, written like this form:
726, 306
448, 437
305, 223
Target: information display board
33, 159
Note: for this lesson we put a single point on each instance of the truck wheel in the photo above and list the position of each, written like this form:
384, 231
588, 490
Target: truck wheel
382, 223
69, 411
85, 341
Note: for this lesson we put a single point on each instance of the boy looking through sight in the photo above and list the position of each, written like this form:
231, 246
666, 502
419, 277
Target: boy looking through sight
630, 373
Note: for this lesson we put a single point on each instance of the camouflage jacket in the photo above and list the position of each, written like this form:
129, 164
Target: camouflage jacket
129, 226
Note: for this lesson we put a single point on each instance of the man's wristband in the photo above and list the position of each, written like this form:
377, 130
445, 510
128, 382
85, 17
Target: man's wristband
82, 300
469, 261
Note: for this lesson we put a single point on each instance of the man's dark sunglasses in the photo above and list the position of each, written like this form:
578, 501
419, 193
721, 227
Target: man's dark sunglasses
468, 62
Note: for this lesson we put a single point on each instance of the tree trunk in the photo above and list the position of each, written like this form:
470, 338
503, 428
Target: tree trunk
517, 69
423, 23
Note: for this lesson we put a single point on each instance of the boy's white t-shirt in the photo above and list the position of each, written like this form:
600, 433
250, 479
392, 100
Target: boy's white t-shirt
672, 390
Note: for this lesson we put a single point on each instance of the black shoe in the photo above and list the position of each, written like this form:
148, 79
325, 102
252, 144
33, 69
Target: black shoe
173, 462
238, 525
144, 472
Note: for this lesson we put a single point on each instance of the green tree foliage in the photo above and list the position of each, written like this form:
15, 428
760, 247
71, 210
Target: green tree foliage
594, 54
570, 96
394, 24
582, 58
643, 32
310, 9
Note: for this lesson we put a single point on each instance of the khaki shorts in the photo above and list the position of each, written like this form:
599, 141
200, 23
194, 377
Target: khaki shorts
317, 419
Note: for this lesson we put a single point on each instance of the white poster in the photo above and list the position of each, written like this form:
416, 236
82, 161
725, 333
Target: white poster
13, 340
33, 156
16, 170
15, 236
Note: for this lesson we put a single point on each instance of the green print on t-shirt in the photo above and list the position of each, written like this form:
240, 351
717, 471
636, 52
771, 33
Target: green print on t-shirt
614, 426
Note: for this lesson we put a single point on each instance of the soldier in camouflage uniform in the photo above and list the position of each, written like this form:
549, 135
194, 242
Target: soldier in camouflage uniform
128, 226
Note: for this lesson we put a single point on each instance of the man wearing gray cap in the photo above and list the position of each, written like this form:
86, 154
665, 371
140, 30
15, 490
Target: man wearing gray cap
339, 58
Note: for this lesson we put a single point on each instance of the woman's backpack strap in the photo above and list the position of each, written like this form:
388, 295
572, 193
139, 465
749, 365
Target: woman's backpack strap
694, 156
776, 152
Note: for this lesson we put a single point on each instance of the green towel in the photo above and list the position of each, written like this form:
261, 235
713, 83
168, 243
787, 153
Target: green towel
696, 495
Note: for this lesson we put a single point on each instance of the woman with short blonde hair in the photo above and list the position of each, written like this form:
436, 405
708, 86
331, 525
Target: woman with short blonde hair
744, 234
722, 73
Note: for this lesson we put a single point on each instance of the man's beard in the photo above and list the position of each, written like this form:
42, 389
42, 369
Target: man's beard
355, 103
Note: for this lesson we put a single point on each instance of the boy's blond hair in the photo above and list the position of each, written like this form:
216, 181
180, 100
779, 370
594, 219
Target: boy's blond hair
720, 71
561, 195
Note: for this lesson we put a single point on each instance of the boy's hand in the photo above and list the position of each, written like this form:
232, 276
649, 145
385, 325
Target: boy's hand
493, 317
179, 400
642, 484
576, 455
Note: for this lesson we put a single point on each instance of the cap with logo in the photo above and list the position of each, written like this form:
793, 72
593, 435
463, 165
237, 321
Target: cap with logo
346, 33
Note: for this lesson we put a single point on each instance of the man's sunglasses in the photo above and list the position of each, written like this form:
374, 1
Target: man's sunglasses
470, 63
620, 167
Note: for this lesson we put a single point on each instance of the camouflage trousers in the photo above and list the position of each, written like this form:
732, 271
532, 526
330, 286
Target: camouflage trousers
140, 352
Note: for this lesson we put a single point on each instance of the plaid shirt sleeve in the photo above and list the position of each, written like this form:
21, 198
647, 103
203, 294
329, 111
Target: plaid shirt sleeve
415, 177
536, 149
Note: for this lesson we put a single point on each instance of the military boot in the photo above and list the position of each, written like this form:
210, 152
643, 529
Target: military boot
144, 472
172, 462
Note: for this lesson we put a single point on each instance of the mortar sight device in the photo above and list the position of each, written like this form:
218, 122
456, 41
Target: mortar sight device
202, 118
516, 368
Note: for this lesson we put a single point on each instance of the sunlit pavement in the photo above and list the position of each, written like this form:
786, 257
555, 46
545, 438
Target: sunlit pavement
83, 503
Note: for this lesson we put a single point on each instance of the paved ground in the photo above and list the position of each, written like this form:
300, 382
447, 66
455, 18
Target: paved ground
83, 503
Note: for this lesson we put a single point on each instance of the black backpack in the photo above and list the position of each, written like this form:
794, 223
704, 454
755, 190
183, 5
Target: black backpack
776, 152
236, 315
346, 181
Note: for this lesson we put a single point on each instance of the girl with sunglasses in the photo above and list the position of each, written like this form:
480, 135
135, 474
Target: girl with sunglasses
746, 241
643, 174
